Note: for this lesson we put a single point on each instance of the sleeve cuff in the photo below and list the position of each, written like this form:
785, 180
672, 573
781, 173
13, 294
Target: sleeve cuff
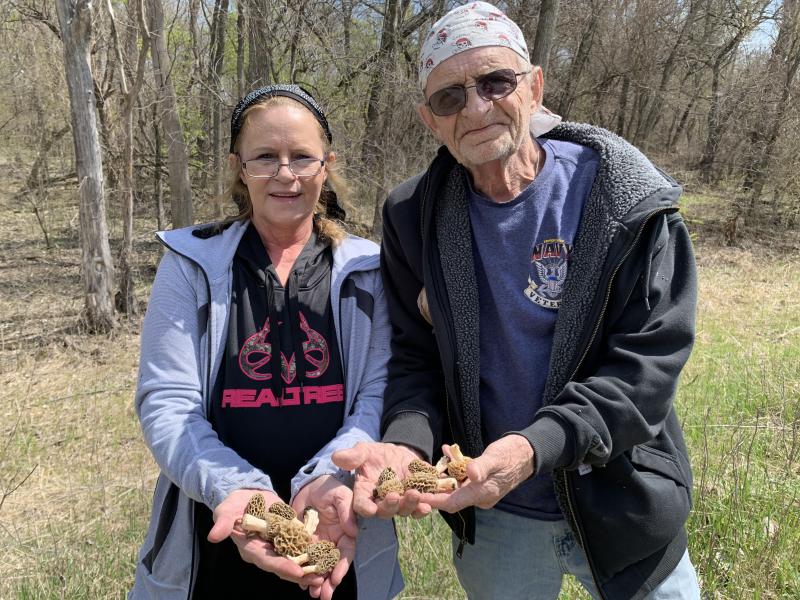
548, 437
411, 429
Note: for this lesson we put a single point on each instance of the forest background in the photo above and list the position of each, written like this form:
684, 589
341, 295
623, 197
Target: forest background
114, 123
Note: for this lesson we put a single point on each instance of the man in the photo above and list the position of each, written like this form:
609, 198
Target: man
542, 296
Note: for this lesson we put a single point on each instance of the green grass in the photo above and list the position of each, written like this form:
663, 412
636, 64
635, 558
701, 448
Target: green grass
73, 527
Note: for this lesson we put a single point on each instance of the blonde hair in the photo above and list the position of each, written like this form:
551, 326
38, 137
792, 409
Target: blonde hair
236, 191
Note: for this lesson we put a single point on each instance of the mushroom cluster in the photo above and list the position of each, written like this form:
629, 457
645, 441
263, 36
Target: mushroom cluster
423, 477
289, 536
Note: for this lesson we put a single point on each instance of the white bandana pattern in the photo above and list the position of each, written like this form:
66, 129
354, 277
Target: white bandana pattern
470, 26
476, 25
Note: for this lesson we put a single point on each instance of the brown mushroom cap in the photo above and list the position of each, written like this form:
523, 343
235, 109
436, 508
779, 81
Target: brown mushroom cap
323, 561
314, 553
291, 539
458, 468
390, 485
283, 510
257, 506
420, 466
429, 483
387, 474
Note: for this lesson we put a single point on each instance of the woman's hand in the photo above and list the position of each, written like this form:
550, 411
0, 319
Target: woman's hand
254, 550
337, 523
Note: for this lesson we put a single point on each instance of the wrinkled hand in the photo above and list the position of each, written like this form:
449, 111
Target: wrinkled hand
503, 466
337, 523
254, 550
368, 459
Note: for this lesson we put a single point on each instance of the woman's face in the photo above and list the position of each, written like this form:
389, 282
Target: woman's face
282, 132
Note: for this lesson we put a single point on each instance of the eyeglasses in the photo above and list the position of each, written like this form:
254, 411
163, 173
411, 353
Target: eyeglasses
269, 167
491, 86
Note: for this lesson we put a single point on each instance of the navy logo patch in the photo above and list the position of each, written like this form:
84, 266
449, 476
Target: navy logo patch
548, 272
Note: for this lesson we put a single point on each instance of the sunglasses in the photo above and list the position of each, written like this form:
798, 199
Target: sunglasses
491, 86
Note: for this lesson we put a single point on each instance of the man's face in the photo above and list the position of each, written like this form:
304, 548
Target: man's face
483, 131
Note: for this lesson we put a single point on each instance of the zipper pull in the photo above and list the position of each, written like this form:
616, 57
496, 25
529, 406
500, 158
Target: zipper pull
460, 549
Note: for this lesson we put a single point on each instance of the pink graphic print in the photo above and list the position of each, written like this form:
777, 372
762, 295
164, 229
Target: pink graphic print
256, 353
316, 343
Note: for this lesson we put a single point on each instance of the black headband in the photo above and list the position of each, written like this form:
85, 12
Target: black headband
295, 92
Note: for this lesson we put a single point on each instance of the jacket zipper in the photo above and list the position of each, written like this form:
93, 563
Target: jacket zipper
463, 537
565, 477
208, 383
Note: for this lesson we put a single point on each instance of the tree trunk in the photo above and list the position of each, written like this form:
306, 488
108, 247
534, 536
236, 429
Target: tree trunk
372, 147
580, 60
215, 67
545, 31
654, 109
177, 158
259, 53
75, 19
126, 298
240, 47
746, 24
158, 189
785, 57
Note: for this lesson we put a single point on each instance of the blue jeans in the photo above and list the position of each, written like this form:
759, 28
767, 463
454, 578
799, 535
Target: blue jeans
517, 558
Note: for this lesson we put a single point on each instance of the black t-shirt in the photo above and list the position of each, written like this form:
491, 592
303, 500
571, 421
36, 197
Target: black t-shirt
279, 395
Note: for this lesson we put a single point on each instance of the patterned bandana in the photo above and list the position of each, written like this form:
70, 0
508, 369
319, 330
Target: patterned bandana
465, 27
475, 25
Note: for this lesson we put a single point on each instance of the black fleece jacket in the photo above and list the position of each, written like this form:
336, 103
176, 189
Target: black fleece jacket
608, 431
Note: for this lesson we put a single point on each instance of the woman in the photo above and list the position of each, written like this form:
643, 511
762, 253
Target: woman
265, 343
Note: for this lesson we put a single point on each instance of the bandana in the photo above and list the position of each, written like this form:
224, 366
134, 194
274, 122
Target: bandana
476, 25
471, 26
295, 92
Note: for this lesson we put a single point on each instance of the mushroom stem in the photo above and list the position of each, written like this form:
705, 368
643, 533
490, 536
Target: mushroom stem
446, 484
312, 569
251, 523
311, 520
456, 452
299, 560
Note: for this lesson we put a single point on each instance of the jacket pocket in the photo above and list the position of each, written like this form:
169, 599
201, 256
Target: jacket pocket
169, 506
632, 508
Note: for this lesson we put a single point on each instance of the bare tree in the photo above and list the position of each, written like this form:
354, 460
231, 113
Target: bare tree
545, 31
737, 25
126, 299
180, 187
75, 19
782, 71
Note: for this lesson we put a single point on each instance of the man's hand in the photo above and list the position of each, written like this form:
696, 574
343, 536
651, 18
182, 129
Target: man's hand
254, 550
337, 523
368, 459
503, 466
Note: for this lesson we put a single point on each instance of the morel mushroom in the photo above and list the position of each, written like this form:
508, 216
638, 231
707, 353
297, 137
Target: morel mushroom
291, 538
314, 552
283, 510
257, 506
323, 560
388, 486
457, 467
266, 528
386, 475
420, 466
429, 483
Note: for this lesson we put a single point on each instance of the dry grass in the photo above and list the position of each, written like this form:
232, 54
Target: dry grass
76, 479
